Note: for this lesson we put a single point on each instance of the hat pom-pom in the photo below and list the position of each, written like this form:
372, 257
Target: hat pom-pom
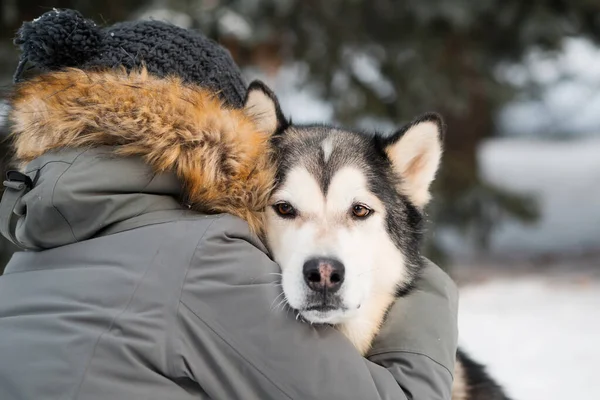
58, 39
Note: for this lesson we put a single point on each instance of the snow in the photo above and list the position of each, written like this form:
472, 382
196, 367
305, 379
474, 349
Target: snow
298, 100
3, 112
232, 23
569, 97
563, 176
164, 14
567, 105
366, 67
538, 337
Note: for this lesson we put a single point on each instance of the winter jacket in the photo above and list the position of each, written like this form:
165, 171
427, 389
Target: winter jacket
125, 293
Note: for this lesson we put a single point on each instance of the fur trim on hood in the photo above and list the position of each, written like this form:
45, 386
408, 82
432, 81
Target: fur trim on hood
220, 155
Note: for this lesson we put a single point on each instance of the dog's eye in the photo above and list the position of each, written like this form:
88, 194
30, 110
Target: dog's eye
285, 209
361, 211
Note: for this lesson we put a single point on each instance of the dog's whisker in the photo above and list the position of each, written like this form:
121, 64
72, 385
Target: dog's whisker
280, 306
282, 303
275, 299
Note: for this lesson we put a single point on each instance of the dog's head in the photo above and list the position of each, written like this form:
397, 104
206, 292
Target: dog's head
345, 217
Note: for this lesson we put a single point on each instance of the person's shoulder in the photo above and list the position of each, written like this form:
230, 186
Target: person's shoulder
230, 240
191, 228
229, 255
435, 279
228, 228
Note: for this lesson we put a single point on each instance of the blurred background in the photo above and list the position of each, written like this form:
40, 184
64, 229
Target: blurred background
516, 215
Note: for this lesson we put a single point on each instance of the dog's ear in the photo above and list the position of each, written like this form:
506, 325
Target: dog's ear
415, 152
262, 106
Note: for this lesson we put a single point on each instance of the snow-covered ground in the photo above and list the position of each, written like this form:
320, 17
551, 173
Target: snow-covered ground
539, 337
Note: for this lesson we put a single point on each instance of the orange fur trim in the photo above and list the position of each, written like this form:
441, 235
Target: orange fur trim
222, 159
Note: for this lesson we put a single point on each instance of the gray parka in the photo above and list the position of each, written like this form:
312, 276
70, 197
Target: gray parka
128, 295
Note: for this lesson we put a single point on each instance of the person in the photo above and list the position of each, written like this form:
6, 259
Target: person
123, 292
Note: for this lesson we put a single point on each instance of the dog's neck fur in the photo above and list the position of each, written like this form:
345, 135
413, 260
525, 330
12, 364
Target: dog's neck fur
361, 329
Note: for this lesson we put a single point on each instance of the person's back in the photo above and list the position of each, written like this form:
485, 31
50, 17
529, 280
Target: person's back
93, 315
127, 294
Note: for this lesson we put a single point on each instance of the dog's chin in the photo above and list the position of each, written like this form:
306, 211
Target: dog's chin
330, 316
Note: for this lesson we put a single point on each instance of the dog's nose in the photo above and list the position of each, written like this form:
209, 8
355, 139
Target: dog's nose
323, 274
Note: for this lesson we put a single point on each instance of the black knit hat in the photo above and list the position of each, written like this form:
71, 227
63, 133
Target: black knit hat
63, 38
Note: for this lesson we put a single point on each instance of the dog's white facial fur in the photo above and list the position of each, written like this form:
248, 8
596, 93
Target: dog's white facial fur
324, 227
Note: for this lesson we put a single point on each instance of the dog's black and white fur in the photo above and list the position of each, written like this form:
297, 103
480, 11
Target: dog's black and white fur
345, 223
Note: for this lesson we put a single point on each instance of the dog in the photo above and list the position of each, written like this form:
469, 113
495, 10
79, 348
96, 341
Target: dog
344, 222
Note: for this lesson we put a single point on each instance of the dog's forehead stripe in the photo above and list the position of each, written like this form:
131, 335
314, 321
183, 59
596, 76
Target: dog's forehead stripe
327, 147
323, 151
347, 151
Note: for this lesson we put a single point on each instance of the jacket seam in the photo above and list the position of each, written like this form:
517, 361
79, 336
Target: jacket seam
36, 270
29, 171
235, 349
112, 322
409, 351
170, 349
54, 190
141, 191
169, 220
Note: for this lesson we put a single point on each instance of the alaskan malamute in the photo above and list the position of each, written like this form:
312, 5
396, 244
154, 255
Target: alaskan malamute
345, 223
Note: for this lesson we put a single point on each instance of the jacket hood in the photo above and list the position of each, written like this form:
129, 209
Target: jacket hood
82, 193
212, 157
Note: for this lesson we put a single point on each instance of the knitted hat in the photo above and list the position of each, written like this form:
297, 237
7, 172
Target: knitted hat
63, 38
